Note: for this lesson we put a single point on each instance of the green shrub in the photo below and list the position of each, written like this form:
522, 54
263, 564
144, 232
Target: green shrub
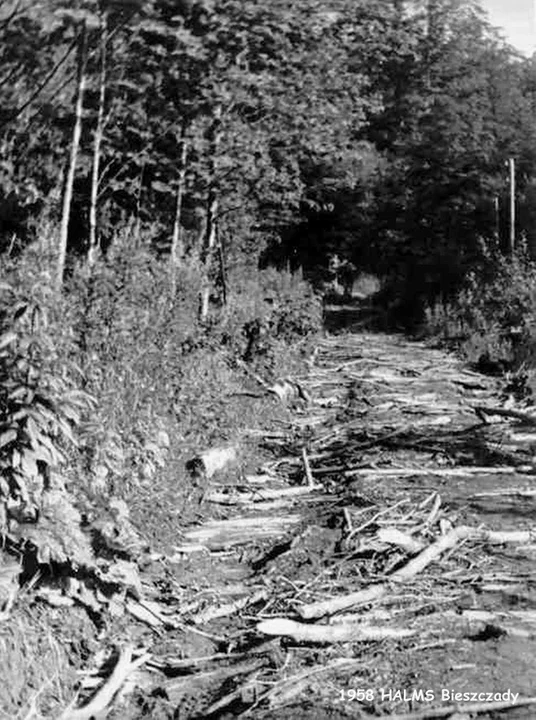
133, 327
266, 310
40, 403
493, 318
165, 385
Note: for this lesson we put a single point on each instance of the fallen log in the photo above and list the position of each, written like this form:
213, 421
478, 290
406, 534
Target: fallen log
482, 411
478, 622
459, 471
330, 633
393, 536
235, 497
221, 534
412, 568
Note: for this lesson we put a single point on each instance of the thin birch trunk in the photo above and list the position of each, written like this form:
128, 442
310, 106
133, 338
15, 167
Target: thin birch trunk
210, 244
94, 245
177, 249
223, 270
211, 233
137, 224
75, 144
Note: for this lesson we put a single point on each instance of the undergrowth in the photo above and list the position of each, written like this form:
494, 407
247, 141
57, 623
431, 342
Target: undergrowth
106, 392
41, 650
492, 320
143, 384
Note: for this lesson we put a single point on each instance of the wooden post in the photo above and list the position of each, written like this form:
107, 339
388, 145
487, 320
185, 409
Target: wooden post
512, 167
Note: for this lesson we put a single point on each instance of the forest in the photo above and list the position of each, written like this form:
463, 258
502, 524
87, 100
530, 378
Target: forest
379, 131
178, 181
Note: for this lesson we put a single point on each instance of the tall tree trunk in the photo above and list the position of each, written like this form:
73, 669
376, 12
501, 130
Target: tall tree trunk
223, 270
94, 244
177, 249
75, 144
208, 252
211, 232
137, 224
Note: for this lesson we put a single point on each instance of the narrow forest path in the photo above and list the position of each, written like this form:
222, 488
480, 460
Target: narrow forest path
380, 564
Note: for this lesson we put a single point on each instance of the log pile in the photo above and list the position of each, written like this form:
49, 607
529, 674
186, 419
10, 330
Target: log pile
356, 545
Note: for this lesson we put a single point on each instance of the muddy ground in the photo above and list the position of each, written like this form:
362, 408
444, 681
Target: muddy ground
388, 436
387, 474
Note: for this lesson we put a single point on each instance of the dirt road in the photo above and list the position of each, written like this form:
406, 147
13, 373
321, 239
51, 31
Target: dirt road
381, 563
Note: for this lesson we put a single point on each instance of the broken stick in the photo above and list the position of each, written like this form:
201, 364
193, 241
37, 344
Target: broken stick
412, 568
124, 667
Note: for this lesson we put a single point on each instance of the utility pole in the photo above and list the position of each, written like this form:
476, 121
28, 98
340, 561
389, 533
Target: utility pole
512, 166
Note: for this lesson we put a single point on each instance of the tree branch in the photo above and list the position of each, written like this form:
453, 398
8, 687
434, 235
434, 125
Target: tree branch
45, 82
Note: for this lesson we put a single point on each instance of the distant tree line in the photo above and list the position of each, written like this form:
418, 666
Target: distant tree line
278, 133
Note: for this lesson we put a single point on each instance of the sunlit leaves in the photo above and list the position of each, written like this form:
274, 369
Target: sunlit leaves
38, 409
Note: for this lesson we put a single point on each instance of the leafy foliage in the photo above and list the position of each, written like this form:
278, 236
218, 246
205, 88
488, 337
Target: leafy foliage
493, 317
40, 409
398, 116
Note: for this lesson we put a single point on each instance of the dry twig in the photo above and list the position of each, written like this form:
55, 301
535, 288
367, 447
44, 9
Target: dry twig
124, 667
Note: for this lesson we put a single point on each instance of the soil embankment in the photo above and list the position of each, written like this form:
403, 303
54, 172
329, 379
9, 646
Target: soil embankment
379, 562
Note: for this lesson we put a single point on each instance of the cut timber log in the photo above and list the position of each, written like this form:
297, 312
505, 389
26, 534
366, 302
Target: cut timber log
240, 531
459, 471
375, 592
329, 633
212, 461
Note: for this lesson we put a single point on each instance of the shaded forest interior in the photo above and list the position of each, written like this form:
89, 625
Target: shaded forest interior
238, 134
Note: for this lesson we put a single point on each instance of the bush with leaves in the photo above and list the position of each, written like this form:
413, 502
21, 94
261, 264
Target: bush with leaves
133, 324
40, 405
493, 318
269, 308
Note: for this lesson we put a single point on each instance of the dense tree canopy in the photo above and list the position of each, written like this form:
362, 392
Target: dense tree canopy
378, 130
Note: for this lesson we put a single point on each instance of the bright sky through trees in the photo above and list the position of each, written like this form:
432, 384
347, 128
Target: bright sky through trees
517, 18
